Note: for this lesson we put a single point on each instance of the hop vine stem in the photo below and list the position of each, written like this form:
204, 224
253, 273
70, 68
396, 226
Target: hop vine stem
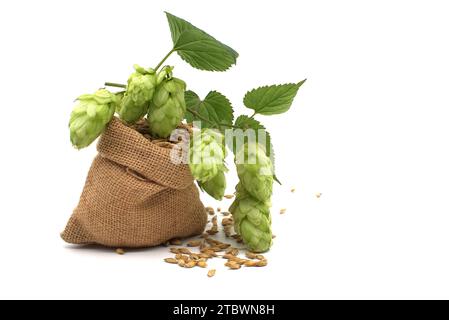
163, 60
116, 85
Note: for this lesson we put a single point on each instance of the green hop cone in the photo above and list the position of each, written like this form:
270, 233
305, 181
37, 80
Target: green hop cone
168, 107
139, 92
207, 154
216, 186
255, 171
252, 221
90, 117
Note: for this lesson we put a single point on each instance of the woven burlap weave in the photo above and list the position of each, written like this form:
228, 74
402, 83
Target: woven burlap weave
134, 195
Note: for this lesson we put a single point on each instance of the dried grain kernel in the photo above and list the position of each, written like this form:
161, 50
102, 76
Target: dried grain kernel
251, 263
175, 242
211, 273
120, 251
174, 250
195, 256
232, 265
292, 190
171, 260
214, 220
185, 258
236, 237
201, 264
224, 245
226, 213
210, 211
181, 263
232, 251
209, 252
190, 264
228, 231
194, 243
213, 230
178, 256
218, 209
260, 257
229, 196
273, 236
262, 263
227, 221
283, 210
212, 242
318, 195
184, 251
251, 255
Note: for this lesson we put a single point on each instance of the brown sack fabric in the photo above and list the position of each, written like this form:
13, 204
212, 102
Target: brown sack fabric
134, 195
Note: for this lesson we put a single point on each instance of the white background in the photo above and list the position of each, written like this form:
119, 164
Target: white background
369, 130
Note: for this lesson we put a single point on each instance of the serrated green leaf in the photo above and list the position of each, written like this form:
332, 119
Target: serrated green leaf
245, 122
269, 100
215, 111
192, 102
199, 49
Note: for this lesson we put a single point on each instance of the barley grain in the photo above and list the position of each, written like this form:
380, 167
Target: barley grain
251, 255
120, 251
171, 260
175, 242
194, 243
262, 263
211, 273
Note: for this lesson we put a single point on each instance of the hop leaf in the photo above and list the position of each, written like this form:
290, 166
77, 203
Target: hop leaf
215, 108
199, 49
271, 100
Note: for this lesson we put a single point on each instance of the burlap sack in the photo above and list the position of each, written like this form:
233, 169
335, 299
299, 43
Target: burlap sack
134, 195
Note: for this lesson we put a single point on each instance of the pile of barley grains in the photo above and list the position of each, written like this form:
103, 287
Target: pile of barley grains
197, 252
